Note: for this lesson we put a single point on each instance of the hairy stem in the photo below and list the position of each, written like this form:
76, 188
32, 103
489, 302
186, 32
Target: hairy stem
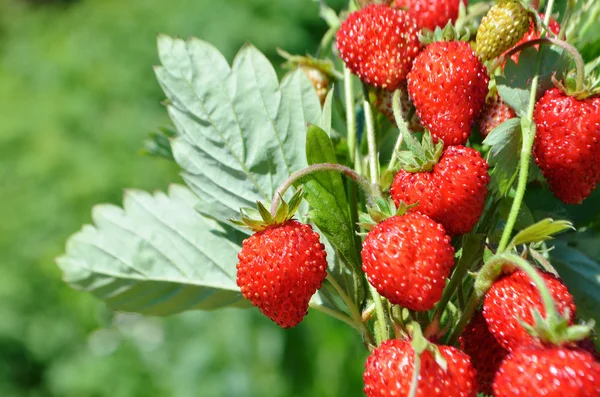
414, 382
370, 190
528, 128
370, 128
335, 314
350, 117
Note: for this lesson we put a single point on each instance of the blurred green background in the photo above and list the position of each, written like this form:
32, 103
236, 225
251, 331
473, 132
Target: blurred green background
78, 96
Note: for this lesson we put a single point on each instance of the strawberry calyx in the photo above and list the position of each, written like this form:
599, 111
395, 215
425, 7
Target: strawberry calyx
260, 218
552, 329
324, 66
420, 157
420, 344
381, 210
449, 32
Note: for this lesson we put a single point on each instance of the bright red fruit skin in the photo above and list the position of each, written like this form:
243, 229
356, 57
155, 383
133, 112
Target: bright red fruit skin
389, 369
494, 113
430, 13
407, 259
378, 44
452, 193
448, 85
512, 297
279, 270
533, 371
567, 144
485, 352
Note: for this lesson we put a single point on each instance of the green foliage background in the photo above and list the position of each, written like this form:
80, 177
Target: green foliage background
78, 96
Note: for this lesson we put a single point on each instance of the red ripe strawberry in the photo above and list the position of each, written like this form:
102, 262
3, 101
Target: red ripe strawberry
485, 352
532, 35
567, 144
452, 193
407, 259
389, 369
513, 297
378, 44
430, 13
494, 113
448, 85
589, 346
279, 270
534, 371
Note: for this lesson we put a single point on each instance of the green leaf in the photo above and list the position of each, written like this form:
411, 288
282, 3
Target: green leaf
540, 231
325, 121
156, 256
515, 85
326, 195
503, 156
581, 274
241, 133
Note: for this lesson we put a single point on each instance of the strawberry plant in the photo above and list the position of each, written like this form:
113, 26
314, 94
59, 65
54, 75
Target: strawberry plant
417, 185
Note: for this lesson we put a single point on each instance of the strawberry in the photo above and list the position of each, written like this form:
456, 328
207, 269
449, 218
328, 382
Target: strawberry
378, 44
494, 113
407, 259
567, 144
533, 34
448, 85
383, 103
552, 371
512, 298
485, 352
430, 14
452, 192
319, 80
389, 369
501, 28
282, 264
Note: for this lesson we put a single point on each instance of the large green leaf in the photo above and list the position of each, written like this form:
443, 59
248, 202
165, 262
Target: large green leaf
503, 157
241, 133
155, 256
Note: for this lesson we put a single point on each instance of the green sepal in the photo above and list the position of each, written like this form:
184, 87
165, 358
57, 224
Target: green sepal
447, 33
540, 231
556, 329
420, 157
261, 218
382, 210
569, 86
325, 66
421, 344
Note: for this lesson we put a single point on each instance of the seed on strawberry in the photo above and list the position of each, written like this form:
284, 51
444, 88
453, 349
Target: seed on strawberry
389, 369
485, 352
567, 144
448, 85
451, 193
407, 259
551, 371
279, 270
378, 44
512, 298
430, 14
501, 28
494, 113
533, 34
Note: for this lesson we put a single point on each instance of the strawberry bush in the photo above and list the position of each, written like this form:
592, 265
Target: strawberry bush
428, 177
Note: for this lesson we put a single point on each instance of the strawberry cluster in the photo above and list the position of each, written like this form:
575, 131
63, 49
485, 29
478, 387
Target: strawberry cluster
522, 339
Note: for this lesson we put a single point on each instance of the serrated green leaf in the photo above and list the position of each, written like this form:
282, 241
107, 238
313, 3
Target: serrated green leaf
581, 274
540, 231
156, 256
514, 85
327, 197
503, 156
241, 132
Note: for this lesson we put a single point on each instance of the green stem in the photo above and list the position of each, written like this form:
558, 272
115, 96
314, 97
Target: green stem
371, 191
579, 63
414, 383
350, 117
370, 127
528, 129
471, 305
354, 312
335, 314
402, 126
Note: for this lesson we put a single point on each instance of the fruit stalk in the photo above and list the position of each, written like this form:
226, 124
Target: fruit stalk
528, 128
350, 117
335, 314
370, 190
402, 126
